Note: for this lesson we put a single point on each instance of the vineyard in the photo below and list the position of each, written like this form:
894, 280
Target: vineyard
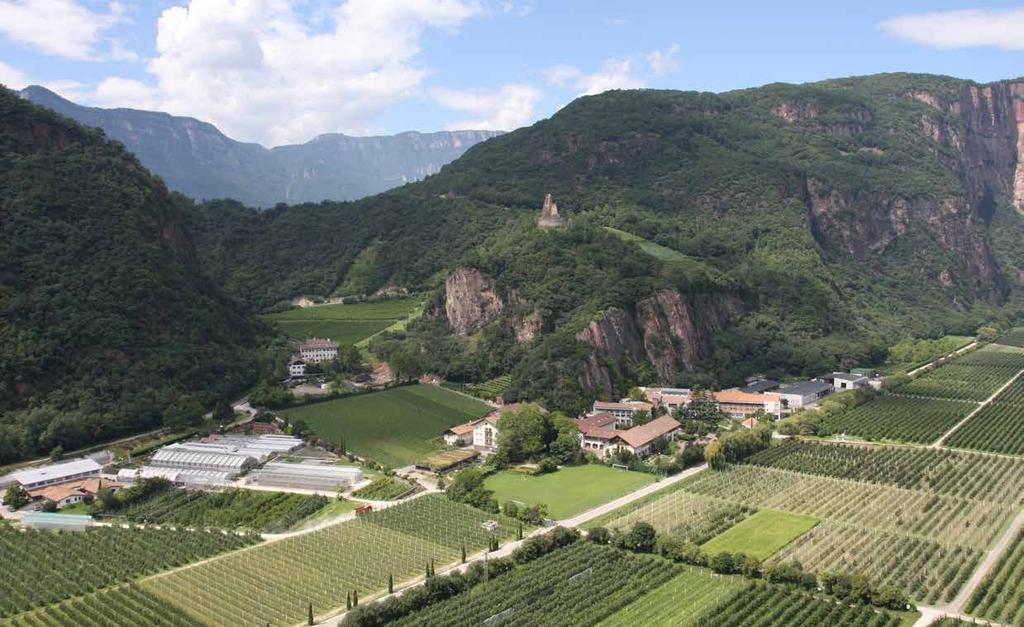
345, 324
953, 473
872, 529
125, 605
384, 488
577, 585
973, 377
1013, 338
1000, 597
679, 602
275, 582
272, 512
761, 604
55, 566
489, 390
998, 427
909, 419
689, 517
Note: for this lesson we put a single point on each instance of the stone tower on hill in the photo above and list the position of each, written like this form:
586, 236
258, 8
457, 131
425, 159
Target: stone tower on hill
549, 218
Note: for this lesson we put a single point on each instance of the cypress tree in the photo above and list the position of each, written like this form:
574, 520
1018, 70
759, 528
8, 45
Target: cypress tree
348, 601
309, 621
355, 598
391, 584
519, 532
432, 571
463, 553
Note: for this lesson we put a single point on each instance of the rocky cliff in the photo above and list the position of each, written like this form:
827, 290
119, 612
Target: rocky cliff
470, 300
669, 330
196, 159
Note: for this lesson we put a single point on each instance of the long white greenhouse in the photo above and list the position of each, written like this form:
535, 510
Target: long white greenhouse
323, 477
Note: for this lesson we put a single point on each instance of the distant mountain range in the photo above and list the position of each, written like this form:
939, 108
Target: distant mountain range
196, 159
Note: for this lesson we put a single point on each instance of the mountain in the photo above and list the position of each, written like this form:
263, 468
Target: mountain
109, 326
783, 230
196, 159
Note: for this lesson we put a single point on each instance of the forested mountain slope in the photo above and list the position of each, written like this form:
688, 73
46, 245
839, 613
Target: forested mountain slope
196, 159
108, 326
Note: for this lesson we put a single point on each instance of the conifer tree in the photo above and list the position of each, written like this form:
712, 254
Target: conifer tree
391, 584
309, 620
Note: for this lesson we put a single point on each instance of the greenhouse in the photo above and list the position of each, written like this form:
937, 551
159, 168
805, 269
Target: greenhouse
306, 476
57, 522
183, 459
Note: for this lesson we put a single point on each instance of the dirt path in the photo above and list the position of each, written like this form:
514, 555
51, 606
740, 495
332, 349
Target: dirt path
932, 364
938, 443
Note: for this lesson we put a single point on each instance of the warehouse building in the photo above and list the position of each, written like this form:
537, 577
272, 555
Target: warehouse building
323, 477
52, 474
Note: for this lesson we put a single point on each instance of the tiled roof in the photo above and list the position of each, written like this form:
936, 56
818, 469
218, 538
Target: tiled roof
61, 491
595, 421
750, 423
738, 397
632, 406
463, 429
316, 342
645, 434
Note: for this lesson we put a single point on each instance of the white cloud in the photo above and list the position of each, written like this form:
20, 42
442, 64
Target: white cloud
261, 71
1000, 28
63, 28
504, 109
625, 73
12, 77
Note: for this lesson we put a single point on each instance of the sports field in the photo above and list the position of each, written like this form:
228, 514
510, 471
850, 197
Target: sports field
569, 491
396, 427
761, 534
345, 324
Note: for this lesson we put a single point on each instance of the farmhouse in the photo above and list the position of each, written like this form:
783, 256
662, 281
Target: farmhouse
296, 368
485, 432
597, 432
317, 350
739, 404
52, 474
640, 440
65, 494
623, 410
460, 435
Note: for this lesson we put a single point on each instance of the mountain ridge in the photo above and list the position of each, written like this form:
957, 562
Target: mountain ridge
195, 158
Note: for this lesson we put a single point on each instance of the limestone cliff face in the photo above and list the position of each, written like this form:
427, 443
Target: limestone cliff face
669, 330
470, 300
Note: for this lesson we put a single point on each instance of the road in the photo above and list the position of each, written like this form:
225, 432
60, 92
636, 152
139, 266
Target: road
938, 443
932, 363
335, 617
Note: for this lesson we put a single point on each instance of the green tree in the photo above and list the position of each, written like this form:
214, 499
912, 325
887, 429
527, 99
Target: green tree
16, 497
309, 618
641, 538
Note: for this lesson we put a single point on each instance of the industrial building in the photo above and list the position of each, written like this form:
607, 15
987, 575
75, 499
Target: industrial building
51, 474
324, 477
183, 478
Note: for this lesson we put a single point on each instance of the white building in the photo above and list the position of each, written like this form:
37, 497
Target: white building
317, 350
51, 474
296, 368
485, 433
460, 435
847, 381
623, 411
325, 477
670, 398
181, 458
795, 396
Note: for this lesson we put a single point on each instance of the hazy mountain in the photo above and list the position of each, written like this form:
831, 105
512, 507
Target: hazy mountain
196, 159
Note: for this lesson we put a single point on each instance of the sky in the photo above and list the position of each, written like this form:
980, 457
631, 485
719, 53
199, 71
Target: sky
279, 71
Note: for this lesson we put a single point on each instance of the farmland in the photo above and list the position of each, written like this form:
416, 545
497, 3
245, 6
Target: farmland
679, 602
689, 517
998, 427
272, 512
761, 535
577, 585
94, 559
384, 488
345, 324
761, 604
397, 427
973, 377
892, 417
123, 605
1000, 597
1013, 338
569, 491
274, 582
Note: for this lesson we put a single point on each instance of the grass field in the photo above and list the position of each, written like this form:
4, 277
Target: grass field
569, 491
761, 535
345, 324
396, 427
679, 602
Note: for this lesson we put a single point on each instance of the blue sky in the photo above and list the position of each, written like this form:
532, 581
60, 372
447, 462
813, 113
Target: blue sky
276, 72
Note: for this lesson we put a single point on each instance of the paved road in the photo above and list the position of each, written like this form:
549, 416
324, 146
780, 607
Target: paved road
938, 443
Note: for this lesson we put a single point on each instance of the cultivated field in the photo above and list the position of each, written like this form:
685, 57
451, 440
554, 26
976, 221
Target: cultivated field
274, 582
569, 491
689, 517
345, 324
384, 488
577, 585
904, 418
396, 427
42, 567
678, 603
124, 605
1000, 597
1013, 338
973, 377
272, 512
765, 605
761, 535
998, 427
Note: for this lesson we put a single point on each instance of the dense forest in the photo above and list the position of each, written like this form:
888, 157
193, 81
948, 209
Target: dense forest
109, 327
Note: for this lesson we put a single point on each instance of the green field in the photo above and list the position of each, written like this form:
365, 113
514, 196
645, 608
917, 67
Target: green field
345, 324
681, 601
396, 427
671, 257
902, 418
761, 535
569, 491
689, 517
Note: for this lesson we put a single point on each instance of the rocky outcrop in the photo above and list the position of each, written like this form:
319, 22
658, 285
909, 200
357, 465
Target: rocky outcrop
549, 217
668, 329
470, 300
527, 327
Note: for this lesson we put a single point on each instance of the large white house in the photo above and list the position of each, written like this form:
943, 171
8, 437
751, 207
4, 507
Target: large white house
597, 433
485, 433
318, 349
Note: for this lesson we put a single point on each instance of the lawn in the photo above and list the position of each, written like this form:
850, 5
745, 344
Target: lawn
569, 491
396, 427
345, 324
762, 534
